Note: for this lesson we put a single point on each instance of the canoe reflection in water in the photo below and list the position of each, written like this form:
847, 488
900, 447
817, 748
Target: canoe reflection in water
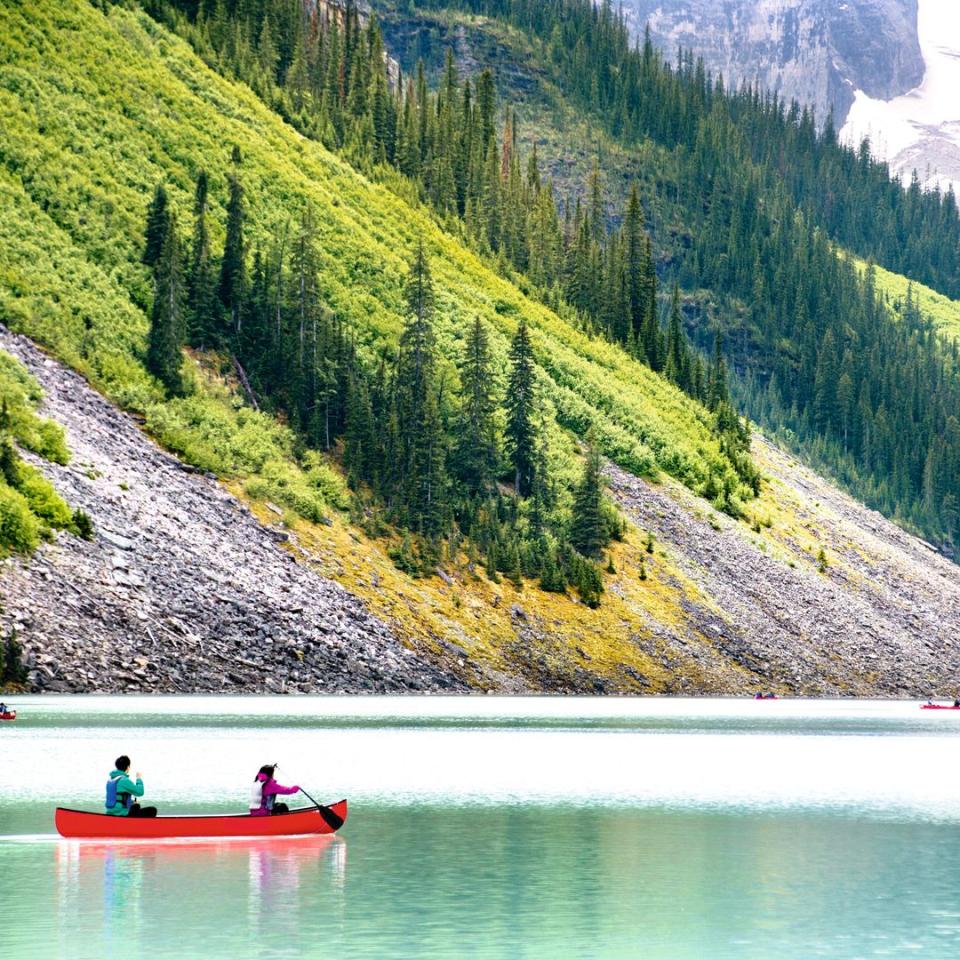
143, 885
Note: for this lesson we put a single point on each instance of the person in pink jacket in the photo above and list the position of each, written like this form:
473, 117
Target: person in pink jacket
264, 792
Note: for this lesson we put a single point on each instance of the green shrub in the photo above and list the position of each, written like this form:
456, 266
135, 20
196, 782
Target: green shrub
52, 443
44, 501
404, 557
82, 524
285, 484
217, 435
19, 528
19, 395
325, 480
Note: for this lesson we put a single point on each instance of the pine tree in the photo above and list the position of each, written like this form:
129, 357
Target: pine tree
267, 55
201, 281
677, 367
303, 341
510, 565
476, 452
233, 266
552, 578
158, 221
486, 107
422, 440
521, 431
588, 531
717, 392
595, 190
587, 579
360, 442
167, 320
634, 249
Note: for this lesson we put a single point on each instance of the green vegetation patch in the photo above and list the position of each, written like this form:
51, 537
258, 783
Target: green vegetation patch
939, 309
30, 508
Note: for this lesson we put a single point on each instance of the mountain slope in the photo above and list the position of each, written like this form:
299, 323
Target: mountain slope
97, 109
182, 590
838, 373
83, 185
880, 615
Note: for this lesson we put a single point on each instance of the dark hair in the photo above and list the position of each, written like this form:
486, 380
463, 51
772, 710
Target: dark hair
267, 768
123, 763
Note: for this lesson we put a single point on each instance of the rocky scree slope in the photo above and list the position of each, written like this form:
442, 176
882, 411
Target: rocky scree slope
883, 618
181, 589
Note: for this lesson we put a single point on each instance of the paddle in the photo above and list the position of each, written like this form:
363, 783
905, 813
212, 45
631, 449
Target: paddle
333, 820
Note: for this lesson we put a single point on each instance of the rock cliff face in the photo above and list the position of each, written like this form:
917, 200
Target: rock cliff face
919, 131
817, 51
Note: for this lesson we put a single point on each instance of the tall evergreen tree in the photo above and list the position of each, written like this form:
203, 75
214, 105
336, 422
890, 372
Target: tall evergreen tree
422, 443
588, 530
521, 430
201, 279
158, 222
167, 318
717, 390
677, 366
233, 266
475, 453
634, 249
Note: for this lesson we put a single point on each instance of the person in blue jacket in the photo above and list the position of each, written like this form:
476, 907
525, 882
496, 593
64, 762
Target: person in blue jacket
122, 791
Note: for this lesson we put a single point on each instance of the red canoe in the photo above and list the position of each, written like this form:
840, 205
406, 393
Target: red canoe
12, 715
83, 825
937, 706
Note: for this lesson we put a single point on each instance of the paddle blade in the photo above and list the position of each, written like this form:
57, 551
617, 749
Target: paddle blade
333, 819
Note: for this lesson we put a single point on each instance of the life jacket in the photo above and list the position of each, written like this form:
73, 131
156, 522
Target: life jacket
256, 794
113, 798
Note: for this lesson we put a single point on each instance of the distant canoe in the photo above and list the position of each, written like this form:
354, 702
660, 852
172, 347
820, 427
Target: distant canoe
11, 715
937, 706
83, 825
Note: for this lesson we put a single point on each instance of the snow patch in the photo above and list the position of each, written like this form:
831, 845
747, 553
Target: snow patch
921, 129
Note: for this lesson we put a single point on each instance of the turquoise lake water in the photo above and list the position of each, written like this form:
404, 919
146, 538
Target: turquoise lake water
489, 828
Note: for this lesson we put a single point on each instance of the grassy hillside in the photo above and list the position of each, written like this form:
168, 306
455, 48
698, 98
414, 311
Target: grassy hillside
99, 108
943, 312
